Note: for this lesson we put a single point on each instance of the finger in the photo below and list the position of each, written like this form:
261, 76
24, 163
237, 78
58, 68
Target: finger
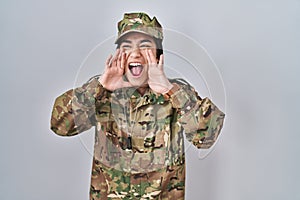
152, 57
108, 61
119, 59
148, 57
123, 59
117, 53
161, 61
115, 58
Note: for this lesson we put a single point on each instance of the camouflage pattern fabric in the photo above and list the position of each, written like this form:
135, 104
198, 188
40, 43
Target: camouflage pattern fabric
139, 149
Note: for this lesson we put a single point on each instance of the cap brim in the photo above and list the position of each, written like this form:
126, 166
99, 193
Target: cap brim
131, 31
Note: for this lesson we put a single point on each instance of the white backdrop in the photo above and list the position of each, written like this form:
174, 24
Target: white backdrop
255, 45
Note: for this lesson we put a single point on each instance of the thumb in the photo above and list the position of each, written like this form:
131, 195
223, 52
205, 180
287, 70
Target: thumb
161, 62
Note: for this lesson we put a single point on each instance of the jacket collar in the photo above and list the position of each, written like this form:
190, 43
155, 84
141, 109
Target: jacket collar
137, 100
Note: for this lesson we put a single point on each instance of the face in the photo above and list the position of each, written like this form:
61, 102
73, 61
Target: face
136, 65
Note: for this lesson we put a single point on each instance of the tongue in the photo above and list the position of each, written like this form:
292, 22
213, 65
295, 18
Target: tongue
136, 70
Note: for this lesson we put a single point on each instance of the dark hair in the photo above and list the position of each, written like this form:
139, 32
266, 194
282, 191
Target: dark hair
159, 47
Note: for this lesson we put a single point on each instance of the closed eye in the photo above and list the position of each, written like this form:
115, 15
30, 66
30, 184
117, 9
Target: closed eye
145, 46
126, 46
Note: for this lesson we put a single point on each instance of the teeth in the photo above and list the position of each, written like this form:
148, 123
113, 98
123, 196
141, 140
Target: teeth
135, 64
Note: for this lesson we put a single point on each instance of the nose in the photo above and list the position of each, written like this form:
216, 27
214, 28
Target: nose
135, 53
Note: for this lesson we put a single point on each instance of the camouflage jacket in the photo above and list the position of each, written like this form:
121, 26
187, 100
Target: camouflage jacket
139, 149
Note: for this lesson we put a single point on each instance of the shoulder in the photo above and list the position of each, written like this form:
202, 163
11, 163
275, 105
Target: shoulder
92, 83
182, 83
94, 79
186, 88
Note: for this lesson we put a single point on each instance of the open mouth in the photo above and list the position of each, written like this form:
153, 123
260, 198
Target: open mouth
135, 68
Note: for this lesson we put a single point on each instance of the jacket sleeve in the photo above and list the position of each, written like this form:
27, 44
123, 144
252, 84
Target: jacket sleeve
201, 119
74, 111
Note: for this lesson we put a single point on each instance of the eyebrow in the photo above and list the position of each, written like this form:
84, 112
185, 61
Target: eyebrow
146, 41
142, 41
126, 41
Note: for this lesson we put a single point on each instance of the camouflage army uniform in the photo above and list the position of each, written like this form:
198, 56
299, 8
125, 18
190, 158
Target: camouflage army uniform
139, 150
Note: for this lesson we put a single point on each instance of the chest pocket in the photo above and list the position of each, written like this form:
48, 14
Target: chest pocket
103, 111
158, 131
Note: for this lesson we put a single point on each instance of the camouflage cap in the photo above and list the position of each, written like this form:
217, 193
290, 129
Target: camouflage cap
139, 22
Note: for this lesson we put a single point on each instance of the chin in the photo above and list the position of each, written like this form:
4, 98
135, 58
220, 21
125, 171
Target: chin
138, 82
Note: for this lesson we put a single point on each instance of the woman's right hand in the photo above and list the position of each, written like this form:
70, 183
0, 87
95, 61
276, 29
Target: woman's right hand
112, 78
